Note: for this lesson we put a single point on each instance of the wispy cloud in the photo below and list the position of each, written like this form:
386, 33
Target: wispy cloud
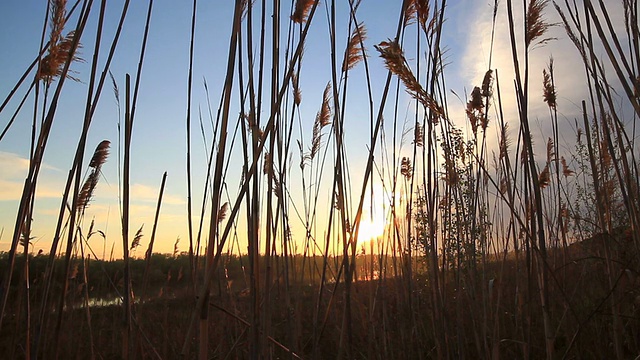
13, 166
142, 192
14, 171
569, 74
10, 190
138, 193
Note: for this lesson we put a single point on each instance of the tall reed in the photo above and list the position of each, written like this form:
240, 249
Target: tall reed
489, 248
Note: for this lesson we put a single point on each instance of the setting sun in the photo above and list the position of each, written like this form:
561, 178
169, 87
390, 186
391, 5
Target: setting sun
319, 179
371, 228
374, 217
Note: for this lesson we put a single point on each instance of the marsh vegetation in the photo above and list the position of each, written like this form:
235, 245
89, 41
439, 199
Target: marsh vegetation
421, 232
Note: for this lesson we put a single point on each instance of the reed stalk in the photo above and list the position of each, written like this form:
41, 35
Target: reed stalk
126, 292
149, 252
192, 269
36, 160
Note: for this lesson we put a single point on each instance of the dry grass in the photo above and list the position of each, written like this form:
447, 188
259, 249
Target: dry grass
532, 256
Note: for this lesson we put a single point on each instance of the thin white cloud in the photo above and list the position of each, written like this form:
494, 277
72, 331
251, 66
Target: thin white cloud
14, 171
148, 193
568, 72
11, 190
13, 166
138, 193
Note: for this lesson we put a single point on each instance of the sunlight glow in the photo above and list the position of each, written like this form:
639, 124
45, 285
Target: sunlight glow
374, 219
370, 228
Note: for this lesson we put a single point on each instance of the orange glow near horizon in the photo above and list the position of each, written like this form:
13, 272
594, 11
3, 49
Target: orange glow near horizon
374, 220
370, 229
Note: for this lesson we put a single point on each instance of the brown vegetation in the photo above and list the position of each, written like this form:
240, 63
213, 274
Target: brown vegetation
522, 255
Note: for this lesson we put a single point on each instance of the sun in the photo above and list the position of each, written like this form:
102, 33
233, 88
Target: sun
374, 221
370, 228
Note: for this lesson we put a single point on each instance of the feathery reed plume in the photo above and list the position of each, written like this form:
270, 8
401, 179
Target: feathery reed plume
59, 46
136, 239
52, 64
572, 36
175, 247
97, 160
355, 51
550, 151
323, 118
25, 235
536, 26
297, 94
405, 167
223, 212
410, 12
475, 109
86, 193
566, 171
475, 102
277, 187
545, 177
395, 62
58, 20
505, 142
549, 94
422, 12
417, 9
487, 84
418, 133
316, 140
301, 11
434, 23
100, 154
116, 90
90, 232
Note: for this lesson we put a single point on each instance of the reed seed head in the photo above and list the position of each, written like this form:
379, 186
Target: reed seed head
136, 239
355, 50
100, 154
545, 177
301, 11
549, 94
406, 169
395, 62
536, 26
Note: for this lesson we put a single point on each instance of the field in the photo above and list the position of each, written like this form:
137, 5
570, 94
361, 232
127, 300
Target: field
394, 217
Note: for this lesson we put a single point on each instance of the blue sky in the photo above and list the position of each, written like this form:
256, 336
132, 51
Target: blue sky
159, 135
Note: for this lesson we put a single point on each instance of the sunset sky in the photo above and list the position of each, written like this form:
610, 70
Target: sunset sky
159, 134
